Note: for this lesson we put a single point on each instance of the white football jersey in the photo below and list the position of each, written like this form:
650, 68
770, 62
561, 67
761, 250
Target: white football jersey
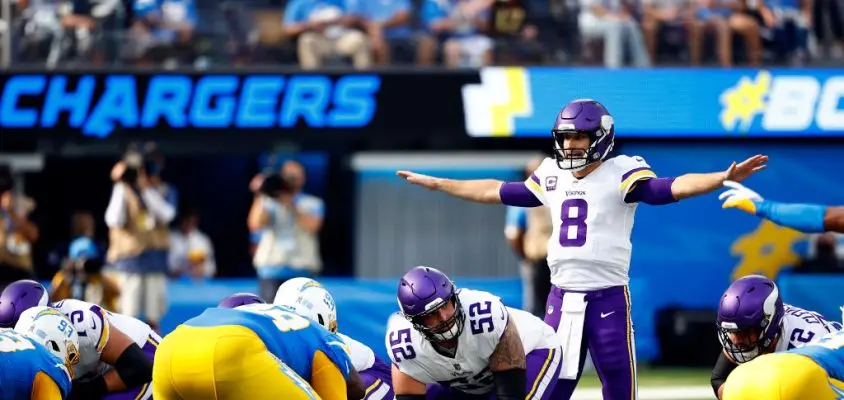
92, 323
590, 247
801, 326
468, 371
362, 356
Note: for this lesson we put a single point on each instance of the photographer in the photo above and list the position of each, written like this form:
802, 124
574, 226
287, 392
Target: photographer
289, 222
17, 233
138, 218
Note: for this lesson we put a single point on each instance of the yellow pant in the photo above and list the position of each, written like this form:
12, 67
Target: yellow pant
221, 363
781, 376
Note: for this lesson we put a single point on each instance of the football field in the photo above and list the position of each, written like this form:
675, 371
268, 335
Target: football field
656, 384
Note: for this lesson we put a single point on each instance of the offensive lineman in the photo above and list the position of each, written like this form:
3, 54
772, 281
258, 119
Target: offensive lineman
752, 320
465, 344
592, 199
116, 352
310, 299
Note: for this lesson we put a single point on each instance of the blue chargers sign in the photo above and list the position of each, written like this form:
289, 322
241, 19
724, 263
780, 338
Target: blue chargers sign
661, 102
97, 105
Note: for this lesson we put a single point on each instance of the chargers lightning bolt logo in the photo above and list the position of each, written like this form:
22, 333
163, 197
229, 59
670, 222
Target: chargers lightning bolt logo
490, 108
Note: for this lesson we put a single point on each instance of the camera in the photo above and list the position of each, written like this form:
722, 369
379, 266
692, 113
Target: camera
275, 185
136, 165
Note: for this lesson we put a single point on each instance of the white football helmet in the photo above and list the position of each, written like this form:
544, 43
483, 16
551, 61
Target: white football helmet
288, 292
51, 329
316, 303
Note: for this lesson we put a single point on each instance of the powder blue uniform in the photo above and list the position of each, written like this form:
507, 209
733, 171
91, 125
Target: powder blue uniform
828, 352
21, 361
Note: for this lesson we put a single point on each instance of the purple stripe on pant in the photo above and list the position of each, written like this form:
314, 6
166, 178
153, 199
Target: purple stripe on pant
378, 381
543, 368
144, 391
608, 335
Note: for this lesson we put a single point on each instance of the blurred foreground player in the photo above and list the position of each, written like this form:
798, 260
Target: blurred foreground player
315, 302
37, 359
116, 352
812, 372
808, 218
254, 351
465, 344
752, 320
593, 200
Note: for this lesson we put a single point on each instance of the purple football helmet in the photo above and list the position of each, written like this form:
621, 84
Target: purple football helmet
586, 117
18, 297
749, 318
424, 290
240, 299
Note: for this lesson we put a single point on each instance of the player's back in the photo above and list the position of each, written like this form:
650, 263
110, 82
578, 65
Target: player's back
26, 365
828, 352
291, 338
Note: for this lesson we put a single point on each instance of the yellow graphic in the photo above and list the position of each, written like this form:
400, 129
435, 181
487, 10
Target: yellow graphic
516, 101
744, 101
767, 250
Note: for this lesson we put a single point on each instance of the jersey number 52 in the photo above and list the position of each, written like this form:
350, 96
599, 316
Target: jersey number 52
573, 214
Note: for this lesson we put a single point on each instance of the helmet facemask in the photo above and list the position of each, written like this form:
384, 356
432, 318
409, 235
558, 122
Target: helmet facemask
446, 330
576, 159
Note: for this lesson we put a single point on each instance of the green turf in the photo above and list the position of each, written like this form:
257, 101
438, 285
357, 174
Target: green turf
659, 377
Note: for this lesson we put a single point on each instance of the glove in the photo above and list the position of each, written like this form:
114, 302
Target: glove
739, 196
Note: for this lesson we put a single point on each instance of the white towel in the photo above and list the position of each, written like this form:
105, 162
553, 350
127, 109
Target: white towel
570, 332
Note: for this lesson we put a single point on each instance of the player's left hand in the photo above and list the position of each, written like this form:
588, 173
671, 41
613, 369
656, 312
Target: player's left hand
428, 182
741, 171
739, 196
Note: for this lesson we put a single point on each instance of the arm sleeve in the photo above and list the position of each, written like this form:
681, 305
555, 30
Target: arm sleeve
723, 368
115, 215
327, 379
45, 388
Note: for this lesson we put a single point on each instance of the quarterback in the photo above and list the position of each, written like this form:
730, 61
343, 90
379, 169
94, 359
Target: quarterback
808, 218
752, 320
811, 372
465, 344
254, 351
313, 301
38, 357
592, 199
116, 352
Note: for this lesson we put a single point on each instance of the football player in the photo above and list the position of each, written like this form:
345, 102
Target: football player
38, 357
592, 199
454, 344
241, 299
288, 292
808, 218
315, 302
116, 352
254, 351
752, 320
811, 372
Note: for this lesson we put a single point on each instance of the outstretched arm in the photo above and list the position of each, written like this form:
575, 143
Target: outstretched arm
690, 185
808, 218
487, 191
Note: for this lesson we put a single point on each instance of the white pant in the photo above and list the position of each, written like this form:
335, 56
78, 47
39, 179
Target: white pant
142, 294
617, 35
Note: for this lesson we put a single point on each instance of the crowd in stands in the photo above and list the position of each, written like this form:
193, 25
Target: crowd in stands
451, 33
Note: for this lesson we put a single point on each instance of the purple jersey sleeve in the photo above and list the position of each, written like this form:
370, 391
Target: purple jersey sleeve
653, 191
518, 194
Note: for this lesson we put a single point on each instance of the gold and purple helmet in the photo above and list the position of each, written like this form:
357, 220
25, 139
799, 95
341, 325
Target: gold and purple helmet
587, 117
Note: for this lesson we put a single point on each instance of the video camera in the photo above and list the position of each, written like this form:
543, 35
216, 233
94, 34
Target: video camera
138, 163
275, 185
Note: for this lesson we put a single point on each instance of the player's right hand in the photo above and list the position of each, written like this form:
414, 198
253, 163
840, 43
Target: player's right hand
740, 197
428, 182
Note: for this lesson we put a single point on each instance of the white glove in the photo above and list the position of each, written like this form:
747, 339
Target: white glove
739, 196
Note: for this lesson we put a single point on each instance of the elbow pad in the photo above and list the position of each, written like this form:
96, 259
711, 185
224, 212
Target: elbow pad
510, 384
134, 367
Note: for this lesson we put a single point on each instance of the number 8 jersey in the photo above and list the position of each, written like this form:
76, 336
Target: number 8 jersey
590, 247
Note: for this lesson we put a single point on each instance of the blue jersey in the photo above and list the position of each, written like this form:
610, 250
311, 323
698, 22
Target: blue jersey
291, 338
21, 360
828, 352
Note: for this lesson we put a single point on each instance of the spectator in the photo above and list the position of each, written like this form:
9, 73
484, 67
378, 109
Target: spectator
612, 22
388, 27
88, 20
660, 16
43, 32
289, 221
792, 21
527, 231
191, 251
711, 17
747, 21
162, 31
81, 274
827, 18
137, 217
17, 232
825, 258
459, 25
325, 29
